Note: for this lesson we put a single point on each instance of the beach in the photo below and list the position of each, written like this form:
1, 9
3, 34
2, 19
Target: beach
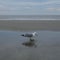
24, 25
47, 41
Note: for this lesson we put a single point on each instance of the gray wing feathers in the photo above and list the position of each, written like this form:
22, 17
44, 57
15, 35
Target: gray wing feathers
28, 35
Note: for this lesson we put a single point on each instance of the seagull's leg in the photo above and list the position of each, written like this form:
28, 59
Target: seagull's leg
30, 38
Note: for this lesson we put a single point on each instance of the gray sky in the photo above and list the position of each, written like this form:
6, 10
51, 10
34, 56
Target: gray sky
29, 7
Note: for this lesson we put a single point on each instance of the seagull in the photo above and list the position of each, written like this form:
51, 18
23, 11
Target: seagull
30, 35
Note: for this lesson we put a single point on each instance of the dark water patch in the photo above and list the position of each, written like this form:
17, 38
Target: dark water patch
30, 43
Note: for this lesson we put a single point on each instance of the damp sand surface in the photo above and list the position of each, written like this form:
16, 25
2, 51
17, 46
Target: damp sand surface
25, 25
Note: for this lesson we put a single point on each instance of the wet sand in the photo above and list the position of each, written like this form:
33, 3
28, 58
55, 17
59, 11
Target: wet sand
24, 25
11, 48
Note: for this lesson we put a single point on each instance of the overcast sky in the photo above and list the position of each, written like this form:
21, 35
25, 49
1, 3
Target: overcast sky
29, 7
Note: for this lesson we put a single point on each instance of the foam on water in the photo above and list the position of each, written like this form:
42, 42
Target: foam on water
29, 17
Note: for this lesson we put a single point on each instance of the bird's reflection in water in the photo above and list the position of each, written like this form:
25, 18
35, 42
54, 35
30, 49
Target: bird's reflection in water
30, 43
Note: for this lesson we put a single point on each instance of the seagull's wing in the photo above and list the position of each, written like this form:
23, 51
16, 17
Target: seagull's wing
28, 35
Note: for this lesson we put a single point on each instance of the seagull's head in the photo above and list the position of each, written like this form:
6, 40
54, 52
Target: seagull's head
35, 34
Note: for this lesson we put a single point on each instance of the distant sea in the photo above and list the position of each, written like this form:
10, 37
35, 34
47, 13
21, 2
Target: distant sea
29, 17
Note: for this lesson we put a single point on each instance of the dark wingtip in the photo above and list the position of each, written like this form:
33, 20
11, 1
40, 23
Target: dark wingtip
22, 35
